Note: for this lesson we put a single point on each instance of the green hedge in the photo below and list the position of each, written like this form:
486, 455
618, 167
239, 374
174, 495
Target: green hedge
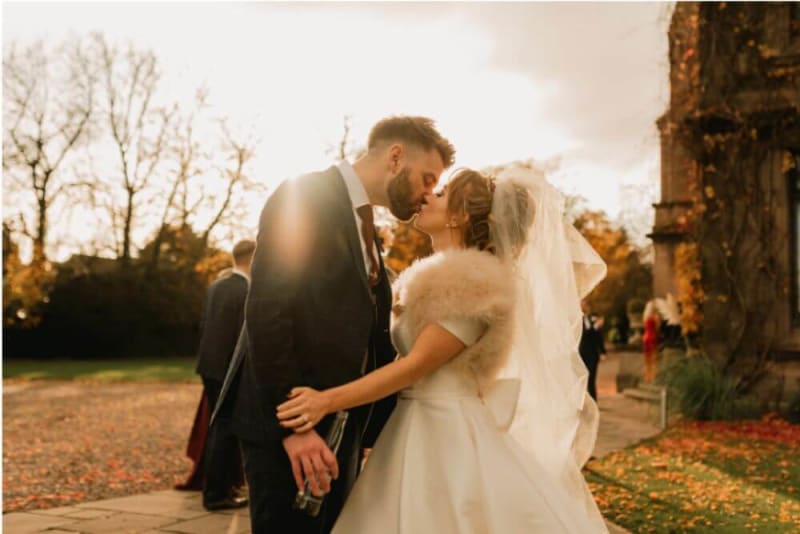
126, 312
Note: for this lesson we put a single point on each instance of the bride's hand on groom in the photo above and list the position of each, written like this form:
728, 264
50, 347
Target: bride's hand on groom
305, 408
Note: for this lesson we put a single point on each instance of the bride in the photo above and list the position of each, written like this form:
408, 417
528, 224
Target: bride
493, 422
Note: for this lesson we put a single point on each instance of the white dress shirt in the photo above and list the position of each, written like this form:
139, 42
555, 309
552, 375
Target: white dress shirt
358, 197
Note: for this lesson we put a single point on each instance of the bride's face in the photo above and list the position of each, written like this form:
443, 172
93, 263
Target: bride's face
433, 216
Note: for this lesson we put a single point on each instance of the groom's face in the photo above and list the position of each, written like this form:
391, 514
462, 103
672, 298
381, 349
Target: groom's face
413, 183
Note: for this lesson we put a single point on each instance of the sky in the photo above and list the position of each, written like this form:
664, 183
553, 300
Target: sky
580, 83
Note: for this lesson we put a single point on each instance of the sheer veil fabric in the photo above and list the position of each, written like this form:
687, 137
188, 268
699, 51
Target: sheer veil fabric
555, 419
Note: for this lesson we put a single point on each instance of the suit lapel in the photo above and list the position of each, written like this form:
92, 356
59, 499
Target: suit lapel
233, 368
348, 218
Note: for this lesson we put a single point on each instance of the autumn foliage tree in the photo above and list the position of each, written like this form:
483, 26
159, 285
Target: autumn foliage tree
627, 277
48, 100
25, 286
408, 245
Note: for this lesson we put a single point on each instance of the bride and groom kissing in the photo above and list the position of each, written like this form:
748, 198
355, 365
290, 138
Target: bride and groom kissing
463, 378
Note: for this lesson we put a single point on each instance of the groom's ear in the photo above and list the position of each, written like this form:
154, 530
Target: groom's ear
396, 155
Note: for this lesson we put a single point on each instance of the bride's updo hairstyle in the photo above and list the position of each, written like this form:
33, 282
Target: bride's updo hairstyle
472, 193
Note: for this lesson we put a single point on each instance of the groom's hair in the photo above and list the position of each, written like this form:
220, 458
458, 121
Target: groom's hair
420, 132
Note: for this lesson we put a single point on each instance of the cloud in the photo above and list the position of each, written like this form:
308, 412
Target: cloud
505, 81
610, 59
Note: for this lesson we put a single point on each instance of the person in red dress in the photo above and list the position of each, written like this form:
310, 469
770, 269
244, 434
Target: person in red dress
650, 341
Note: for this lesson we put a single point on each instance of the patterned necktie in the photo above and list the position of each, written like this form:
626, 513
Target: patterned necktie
368, 233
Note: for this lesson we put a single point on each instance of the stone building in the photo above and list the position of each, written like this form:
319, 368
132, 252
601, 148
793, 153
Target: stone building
730, 186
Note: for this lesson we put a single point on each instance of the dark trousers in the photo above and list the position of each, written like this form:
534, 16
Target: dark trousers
272, 487
222, 457
591, 361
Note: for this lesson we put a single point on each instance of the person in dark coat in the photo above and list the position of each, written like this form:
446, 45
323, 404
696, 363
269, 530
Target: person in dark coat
222, 321
591, 346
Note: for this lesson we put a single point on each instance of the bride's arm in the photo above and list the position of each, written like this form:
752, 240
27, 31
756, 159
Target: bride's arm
434, 347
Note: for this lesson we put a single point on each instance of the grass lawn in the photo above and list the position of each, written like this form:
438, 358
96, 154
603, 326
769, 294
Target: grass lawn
704, 477
171, 369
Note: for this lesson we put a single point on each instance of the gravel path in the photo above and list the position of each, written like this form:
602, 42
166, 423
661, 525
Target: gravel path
70, 442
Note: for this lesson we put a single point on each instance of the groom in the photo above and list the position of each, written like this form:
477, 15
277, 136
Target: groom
317, 315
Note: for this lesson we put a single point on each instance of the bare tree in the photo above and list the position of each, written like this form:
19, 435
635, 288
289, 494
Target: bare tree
345, 148
345, 140
138, 127
233, 177
188, 157
209, 183
48, 99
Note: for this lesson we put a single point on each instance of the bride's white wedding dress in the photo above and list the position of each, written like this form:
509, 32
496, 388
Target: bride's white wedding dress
445, 462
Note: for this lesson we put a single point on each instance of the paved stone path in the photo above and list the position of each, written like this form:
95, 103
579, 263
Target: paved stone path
160, 511
623, 422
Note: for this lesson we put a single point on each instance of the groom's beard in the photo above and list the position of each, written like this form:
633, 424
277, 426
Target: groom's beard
401, 199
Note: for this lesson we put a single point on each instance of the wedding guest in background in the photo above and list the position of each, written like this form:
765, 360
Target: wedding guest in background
650, 321
218, 468
591, 346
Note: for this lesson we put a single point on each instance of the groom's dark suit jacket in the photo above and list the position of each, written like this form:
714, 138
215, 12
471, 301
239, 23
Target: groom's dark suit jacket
311, 318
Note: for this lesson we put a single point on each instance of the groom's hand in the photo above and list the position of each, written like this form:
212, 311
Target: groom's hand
310, 456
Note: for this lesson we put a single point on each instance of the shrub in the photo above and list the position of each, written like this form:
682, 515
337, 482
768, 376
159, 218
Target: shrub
700, 390
119, 313
793, 414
